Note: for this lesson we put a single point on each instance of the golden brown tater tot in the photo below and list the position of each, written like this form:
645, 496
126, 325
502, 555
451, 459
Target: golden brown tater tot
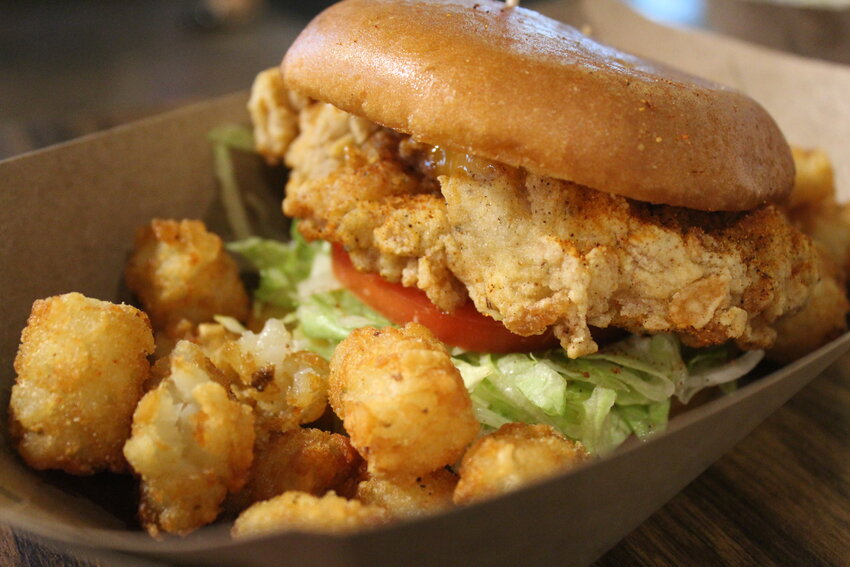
515, 454
304, 512
191, 445
179, 270
401, 400
410, 497
80, 366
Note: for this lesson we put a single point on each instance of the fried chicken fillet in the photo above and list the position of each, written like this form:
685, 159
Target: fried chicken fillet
655, 223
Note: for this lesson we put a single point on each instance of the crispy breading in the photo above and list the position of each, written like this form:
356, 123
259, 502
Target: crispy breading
179, 270
305, 460
191, 445
536, 252
410, 497
80, 370
299, 511
548, 252
325, 134
274, 113
512, 456
401, 400
348, 185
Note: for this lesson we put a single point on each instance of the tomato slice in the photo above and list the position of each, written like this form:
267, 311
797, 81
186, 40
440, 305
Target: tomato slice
465, 327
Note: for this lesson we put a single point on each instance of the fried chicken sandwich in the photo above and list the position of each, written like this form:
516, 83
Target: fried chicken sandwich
516, 186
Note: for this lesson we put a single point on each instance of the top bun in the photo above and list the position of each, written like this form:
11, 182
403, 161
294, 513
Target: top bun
513, 86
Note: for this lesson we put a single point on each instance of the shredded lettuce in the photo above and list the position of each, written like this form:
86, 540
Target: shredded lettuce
297, 276
282, 266
600, 399
592, 400
324, 319
625, 389
721, 372
224, 138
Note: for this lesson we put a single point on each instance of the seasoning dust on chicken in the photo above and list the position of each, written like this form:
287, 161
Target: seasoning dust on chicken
80, 369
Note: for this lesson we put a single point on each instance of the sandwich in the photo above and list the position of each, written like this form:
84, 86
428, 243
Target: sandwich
594, 234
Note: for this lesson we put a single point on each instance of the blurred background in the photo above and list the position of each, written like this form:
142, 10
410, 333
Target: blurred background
71, 67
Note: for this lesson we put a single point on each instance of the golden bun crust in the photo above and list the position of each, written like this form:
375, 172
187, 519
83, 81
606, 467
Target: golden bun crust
513, 86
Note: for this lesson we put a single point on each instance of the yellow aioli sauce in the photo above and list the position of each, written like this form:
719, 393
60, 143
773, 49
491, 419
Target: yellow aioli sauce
439, 160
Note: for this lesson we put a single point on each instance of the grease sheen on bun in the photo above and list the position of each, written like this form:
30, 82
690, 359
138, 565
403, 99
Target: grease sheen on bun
513, 86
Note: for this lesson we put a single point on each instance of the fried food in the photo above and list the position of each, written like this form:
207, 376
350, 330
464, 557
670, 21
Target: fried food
828, 223
299, 511
347, 185
213, 339
410, 497
302, 460
821, 319
506, 228
512, 456
401, 400
273, 112
813, 206
191, 445
179, 270
80, 369
535, 252
814, 179
607, 261
286, 388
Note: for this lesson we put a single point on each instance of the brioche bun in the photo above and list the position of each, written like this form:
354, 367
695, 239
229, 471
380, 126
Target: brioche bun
511, 85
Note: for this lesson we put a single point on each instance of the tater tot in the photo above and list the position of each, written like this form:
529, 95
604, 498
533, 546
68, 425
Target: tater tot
814, 181
514, 455
304, 460
821, 319
286, 388
401, 400
299, 511
812, 206
179, 270
167, 339
191, 445
81, 365
828, 224
410, 497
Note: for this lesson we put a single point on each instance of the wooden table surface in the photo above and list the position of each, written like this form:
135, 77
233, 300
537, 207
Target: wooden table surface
781, 497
